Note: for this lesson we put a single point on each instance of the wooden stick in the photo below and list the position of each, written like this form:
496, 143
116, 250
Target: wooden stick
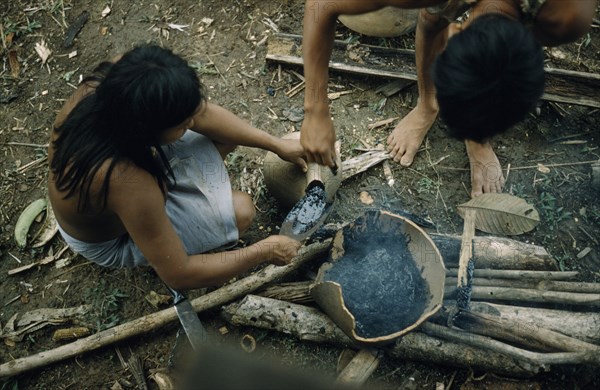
466, 256
519, 274
298, 292
524, 334
584, 326
513, 295
361, 163
310, 324
156, 320
542, 359
549, 285
561, 86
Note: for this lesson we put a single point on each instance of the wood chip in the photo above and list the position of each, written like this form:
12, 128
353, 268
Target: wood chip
584, 253
223, 330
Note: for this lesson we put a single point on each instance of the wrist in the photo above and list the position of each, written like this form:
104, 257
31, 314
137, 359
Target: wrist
316, 109
262, 251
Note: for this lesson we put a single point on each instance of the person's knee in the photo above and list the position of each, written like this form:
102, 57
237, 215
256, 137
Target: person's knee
567, 26
244, 210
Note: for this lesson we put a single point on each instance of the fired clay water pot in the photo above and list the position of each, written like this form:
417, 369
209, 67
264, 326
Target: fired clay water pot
386, 22
359, 236
287, 183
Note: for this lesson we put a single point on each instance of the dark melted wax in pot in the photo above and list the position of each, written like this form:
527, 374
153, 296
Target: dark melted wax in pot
381, 284
309, 210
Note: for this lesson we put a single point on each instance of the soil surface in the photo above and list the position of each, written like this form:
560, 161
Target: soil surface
546, 157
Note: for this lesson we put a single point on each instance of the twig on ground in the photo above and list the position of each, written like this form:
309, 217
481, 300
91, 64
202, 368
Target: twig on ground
530, 166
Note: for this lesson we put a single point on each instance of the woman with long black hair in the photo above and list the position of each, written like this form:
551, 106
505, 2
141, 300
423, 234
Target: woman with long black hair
137, 174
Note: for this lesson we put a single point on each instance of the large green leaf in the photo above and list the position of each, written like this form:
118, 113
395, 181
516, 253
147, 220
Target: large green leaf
502, 214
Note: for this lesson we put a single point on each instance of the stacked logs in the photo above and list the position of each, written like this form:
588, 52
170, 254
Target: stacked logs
525, 315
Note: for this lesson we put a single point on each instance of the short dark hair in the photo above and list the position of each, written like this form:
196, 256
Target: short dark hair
488, 78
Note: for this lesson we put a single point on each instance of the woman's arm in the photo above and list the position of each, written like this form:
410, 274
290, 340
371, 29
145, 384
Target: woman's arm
223, 126
139, 204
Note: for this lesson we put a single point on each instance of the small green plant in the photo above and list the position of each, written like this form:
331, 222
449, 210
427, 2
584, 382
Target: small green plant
105, 301
19, 28
551, 213
426, 186
9, 384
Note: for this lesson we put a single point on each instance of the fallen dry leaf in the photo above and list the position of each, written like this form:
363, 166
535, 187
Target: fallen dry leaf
542, 168
13, 61
43, 51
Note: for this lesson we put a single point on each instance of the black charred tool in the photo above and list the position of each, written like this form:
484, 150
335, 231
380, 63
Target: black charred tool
311, 211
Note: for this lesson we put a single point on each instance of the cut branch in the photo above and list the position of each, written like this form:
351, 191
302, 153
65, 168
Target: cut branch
496, 253
310, 324
156, 320
562, 86
581, 325
514, 295
542, 359
528, 335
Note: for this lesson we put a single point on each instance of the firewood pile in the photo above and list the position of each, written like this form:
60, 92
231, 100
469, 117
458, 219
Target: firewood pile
525, 315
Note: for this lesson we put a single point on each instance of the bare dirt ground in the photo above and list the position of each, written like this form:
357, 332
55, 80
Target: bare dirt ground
228, 51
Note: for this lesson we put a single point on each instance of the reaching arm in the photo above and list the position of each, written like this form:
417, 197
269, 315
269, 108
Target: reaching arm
223, 126
317, 133
139, 204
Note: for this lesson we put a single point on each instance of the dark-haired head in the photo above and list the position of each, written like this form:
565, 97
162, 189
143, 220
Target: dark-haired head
488, 78
137, 99
146, 92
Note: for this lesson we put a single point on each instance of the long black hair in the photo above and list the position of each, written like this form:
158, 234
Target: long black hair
489, 77
146, 92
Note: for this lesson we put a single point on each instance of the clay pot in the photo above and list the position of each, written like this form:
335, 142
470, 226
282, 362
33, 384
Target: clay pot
386, 22
328, 294
286, 181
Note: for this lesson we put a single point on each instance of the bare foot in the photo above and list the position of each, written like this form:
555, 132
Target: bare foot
406, 138
486, 171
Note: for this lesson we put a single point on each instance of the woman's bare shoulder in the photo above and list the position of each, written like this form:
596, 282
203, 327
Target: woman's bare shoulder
81, 92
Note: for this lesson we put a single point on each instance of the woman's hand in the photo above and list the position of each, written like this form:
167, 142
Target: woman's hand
291, 150
278, 250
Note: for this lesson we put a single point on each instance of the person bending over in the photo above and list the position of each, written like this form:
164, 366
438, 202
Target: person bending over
137, 174
487, 73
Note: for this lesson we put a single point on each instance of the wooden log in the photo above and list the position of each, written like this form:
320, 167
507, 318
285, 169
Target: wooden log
297, 292
513, 295
310, 324
584, 326
496, 253
545, 360
519, 274
562, 86
156, 320
550, 285
360, 368
490, 252
530, 336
